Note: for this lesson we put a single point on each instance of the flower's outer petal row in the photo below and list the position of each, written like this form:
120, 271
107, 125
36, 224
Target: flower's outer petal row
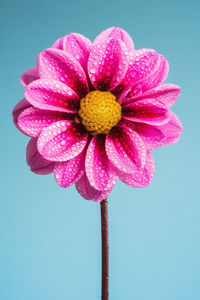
68, 172
87, 191
125, 149
151, 135
29, 76
171, 130
116, 33
142, 177
62, 140
147, 111
166, 94
19, 107
147, 69
107, 64
32, 120
49, 94
35, 161
98, 167
79, 47
58, 43
62, 66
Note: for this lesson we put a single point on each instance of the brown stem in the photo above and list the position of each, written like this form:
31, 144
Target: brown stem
105, 250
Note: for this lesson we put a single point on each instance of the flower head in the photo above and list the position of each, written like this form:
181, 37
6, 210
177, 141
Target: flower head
95, 111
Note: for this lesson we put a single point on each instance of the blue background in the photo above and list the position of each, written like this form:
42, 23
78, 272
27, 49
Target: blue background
50, 237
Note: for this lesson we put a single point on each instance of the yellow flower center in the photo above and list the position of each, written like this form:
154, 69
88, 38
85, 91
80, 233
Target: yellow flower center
99, 112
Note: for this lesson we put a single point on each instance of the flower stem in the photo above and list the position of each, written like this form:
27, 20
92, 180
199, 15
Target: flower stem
105, 250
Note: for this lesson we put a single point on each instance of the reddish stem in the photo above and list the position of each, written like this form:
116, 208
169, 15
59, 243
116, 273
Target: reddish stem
105, 250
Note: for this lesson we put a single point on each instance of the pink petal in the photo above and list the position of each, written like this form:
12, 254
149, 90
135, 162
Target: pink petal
68, 172
37, 163
52, 95
88, 192
19, 107
151, 135
97, 165
147, 69
156, 78
29, 76
125, 149
62, 141
107, 64
32, 120
58, 44
116, 33
142, 177
62, 66
171, 130
141, 66
79, 47
166, 94
147, 111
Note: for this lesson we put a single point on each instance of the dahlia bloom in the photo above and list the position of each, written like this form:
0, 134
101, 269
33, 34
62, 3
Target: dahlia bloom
94, 111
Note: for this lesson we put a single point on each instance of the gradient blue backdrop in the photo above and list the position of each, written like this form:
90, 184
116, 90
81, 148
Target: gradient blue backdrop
49, 236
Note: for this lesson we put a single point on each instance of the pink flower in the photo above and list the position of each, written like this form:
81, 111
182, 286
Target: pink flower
95, 111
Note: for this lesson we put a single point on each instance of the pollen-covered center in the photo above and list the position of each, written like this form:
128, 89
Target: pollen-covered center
99, 112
